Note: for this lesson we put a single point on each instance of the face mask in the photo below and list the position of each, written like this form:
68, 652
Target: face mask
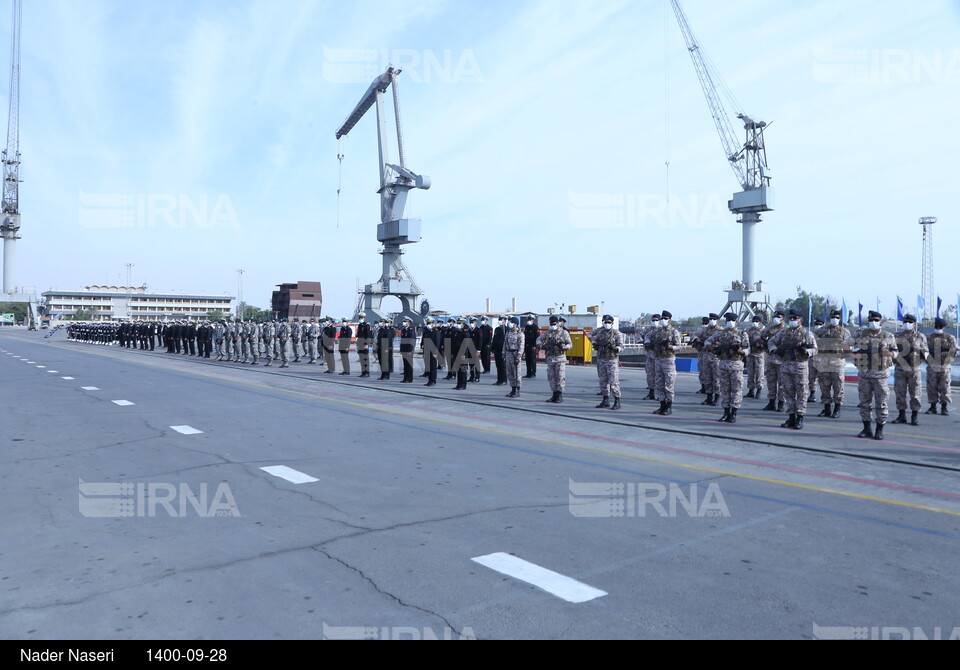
713, 322
657, 324
834, 322
909, 326
874, 325
553, 327
938, 331
530, 322
608, 326
731, 324
794, 324
777, 320
511, 325
429, 326
757, 324
362, 320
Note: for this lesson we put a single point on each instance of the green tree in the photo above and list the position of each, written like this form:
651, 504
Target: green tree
81, 315
950, 315
18, 309
215, 315
807, 304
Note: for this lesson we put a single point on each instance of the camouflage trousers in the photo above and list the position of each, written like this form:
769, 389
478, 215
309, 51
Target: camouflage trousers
218, 348
874, 392
511, 361
793, 378
557, 373
268, 348
906, 384
312, 348
774, 382
754, 370
608, 370
731, 384
938, 386
650, 368
254, 349
710, 373
831, 386
296, 349
666, 378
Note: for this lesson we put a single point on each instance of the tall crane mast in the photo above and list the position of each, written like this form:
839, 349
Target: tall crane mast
396, 181
749, 163
10, 223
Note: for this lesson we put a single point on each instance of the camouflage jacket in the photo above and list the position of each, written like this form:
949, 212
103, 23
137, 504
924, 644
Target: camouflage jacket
873, 350
555, 344
662, 342
607, 344
757, 346
943, 351
913, 349
729, 344
793, 344
830, 341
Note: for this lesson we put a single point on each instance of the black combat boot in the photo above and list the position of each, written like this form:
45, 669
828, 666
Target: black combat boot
780, 404
878, 433
662, 408
616, 403
559, 398
709, 400
913, 419
668, 410
901, 417
733, 415
726, 415
932, 410
867, 430
836, 411
703, 389
826, 410
604, 403
798, 424
791, 422
943, 409
552, 398
514, 392
750, 394
771, 406
812, 397
650, 395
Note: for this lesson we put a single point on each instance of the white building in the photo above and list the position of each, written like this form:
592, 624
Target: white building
133, 303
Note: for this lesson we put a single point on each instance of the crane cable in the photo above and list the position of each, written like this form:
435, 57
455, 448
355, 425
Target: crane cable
339, 178
666, 93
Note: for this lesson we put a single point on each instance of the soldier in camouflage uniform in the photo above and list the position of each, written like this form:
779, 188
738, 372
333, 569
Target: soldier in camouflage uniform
874, 350
310, 335
812, 373
697, 343
731, 346
794, 345
607, 344
283, 336
943, 351
218, 330
650, 357
710, 363
296, 336
236, 335
513, 342
756, 359
267, 333
772, 367
555, 343
665, 341
913, 351
830, 363
254, 340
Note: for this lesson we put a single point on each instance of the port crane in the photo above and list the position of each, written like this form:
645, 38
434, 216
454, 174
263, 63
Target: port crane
394, 230
749, 163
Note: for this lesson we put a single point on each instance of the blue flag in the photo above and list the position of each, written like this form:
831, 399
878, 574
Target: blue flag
860, 314
845, 314
899, 309
939, 302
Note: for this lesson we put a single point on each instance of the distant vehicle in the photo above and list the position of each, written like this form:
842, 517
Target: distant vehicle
44, 325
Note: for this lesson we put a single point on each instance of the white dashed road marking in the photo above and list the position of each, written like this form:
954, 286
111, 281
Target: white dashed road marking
186, 430
88, 388
66, 378
289, 474
567, 588
122, 403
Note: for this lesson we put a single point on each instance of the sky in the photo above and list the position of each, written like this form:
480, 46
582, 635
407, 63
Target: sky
572, 154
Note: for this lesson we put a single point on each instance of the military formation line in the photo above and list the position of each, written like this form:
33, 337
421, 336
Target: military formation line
784, 357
